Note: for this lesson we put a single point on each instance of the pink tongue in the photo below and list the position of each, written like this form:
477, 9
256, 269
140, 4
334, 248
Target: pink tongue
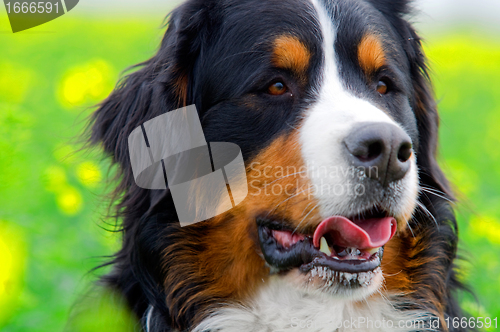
364, 234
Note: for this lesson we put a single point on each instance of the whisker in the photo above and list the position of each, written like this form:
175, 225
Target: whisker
284, 213
281, 178
411, 230
435, 192
308, 213
286, 200
422, 206
392, 275
368, 304
306, 208
384, 298
432, 189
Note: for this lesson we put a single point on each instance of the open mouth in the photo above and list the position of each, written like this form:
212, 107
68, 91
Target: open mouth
346, 249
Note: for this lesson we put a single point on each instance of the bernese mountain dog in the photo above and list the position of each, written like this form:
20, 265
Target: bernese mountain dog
348, 223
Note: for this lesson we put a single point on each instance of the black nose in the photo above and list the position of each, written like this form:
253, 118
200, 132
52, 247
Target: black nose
382, 149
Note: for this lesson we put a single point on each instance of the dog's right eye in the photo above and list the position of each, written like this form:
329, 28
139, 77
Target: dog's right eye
277, 88
382, 87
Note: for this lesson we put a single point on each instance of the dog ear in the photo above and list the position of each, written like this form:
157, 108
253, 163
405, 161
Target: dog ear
426, 113
395, 8
433, 249
158, 85
436, 224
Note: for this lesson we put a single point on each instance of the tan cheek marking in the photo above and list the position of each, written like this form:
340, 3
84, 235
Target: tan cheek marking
404, 272
278, 184
223, 253
371, 54
393, 266
290, 53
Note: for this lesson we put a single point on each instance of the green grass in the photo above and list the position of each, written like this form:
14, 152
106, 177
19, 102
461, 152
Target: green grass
51, 198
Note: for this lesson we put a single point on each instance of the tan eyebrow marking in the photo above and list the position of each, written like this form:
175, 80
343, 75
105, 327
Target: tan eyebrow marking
290, 53
371, 54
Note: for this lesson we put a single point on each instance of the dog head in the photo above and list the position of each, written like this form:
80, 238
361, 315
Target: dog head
330, 104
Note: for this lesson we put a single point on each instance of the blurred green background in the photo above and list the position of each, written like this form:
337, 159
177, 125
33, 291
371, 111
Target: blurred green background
52, 206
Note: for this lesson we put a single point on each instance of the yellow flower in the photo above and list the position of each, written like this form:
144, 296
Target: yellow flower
69, 200
89, 174
12, 267
86, 83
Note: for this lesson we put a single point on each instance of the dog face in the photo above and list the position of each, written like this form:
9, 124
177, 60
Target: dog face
329, 103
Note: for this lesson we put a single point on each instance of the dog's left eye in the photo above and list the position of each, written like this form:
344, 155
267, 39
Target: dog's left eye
277, 88
382, 87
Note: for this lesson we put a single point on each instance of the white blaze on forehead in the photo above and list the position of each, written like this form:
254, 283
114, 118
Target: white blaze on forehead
336, 104
328, 121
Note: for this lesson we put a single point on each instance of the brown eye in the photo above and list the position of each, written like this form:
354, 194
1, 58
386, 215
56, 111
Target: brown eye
382, 87
277, 89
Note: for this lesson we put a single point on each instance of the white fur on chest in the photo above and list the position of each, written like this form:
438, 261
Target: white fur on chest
280, 307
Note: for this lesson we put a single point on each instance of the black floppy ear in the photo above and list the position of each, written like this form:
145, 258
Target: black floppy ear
436, 225
425, 109
159, 85
389, 8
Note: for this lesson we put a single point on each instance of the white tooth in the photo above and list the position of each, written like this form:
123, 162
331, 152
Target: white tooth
373, 250
324, 247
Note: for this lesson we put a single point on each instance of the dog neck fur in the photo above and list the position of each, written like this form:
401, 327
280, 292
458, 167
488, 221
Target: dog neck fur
281, 307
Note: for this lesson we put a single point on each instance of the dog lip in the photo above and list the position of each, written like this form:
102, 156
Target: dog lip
283, 258
350, 266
